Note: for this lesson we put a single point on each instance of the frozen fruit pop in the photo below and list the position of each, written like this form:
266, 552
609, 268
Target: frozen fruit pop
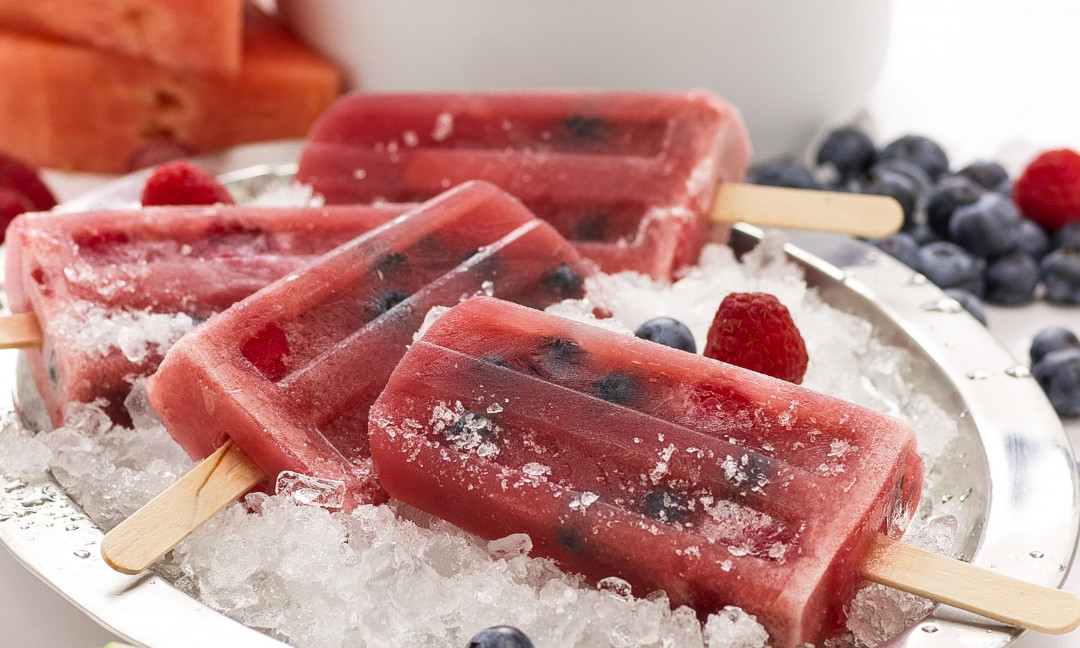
625, 176
289, 373
621, 457
111, 290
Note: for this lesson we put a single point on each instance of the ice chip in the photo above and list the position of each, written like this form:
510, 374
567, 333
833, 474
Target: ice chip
311, 491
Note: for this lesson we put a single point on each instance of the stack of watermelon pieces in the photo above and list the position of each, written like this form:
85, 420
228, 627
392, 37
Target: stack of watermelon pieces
90, 85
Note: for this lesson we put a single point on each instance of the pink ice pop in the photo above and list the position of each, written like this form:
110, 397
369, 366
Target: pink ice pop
112, 289
621, 457
625, 176
290, 373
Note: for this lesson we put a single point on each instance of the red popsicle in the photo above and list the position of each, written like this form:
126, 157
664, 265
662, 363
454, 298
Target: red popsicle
626, 176
622, 457
289, 373
111, 290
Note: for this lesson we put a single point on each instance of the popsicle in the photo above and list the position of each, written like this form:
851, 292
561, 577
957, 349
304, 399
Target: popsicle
288, 374
626, 176
103, 294
623, 458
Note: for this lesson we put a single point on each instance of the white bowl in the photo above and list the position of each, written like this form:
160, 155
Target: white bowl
793, 68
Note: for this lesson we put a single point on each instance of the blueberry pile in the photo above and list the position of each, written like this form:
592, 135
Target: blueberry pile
1055, 363
961, 227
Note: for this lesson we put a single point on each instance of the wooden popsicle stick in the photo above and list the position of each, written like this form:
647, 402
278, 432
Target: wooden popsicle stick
865, 215
151, 532
19, 331
965, 586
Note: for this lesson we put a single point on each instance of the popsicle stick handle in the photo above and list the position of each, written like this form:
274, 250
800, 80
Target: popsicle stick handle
828, 211
19, 331
152, 531
970, 588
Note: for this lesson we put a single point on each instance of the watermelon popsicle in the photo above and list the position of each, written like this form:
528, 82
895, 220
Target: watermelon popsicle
289, 373
625, 176
109, 291
620, 457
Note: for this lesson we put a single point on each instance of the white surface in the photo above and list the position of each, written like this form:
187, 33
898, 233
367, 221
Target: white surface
790, 71
990, 79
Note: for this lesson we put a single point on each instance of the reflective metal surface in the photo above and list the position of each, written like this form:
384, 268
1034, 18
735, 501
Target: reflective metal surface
1011, 463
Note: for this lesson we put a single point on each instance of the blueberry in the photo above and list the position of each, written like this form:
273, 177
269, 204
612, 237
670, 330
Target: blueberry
380, 304
1011, 279
988, 175
1061, 273
581, 127
908, 169
1031, 239
389, 264
669, 332
785, 173
571, 540
1050, 339
886, 182
950, 266
849, 150
1066, 235
665, 505
986, 227
922, 233
921, 150
970, 302
470, 430
945, 197
559, 358
564, 282
501, 636
1058, 373
901, 245
618, 387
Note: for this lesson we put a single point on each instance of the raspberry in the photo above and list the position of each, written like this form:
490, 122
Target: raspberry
21, 178
755, 331
182, 183
1048, 190
267, 350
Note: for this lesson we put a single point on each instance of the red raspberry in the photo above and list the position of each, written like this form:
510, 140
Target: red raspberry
1048, 190
755, 331
21, 178
183, 183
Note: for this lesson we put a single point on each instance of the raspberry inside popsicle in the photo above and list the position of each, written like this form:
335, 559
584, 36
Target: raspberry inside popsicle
624, 458
290, 373
625, 176
112, 290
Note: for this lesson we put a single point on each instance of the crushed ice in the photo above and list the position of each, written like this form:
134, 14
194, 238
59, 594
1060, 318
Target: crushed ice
135, 333
390, 575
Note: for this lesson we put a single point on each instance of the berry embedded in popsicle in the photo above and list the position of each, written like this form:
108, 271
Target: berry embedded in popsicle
290, 373
111, 290
619, 457
625, 176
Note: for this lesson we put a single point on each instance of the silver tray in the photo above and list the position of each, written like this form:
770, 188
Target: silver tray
1022, 511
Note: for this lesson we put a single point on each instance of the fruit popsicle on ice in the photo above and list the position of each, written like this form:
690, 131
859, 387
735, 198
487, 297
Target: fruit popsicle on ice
290, 373
112, 289
625, 176
624, 458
